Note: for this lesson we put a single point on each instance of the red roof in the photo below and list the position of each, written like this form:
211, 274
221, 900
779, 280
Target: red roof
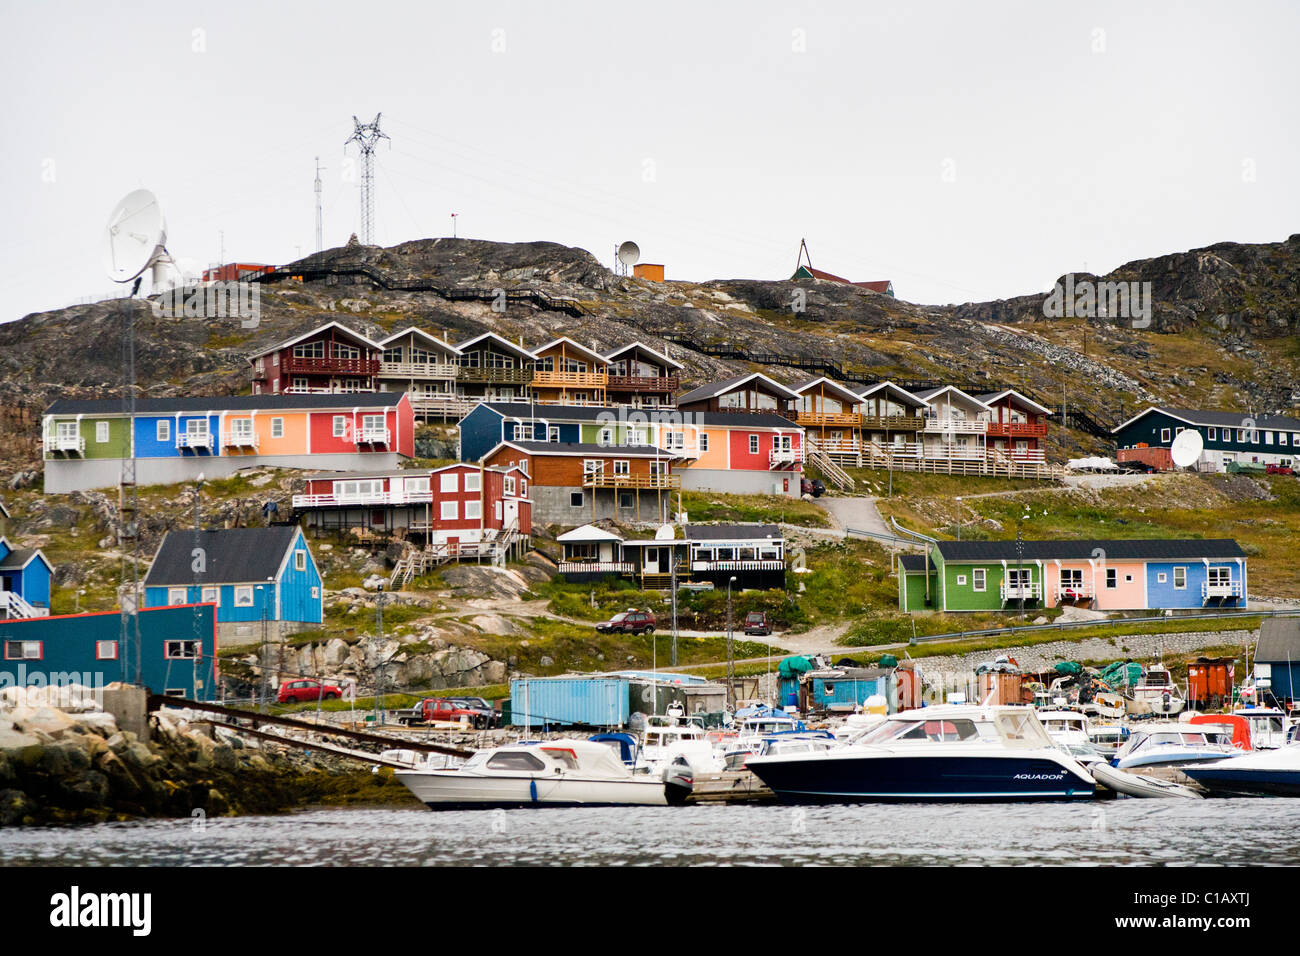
881, 286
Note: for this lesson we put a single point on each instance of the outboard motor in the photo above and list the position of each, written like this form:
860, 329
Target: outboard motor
679, 780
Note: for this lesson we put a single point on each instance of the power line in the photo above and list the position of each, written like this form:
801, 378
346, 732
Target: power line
367, 136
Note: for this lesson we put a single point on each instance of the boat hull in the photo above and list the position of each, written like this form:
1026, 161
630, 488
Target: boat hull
901, 778
1246, 783
453, 789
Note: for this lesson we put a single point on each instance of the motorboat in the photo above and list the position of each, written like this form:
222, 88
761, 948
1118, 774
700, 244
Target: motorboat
738, 757
1139, 784
1268, 726
547, 773
1166, 744
1156, 693
1108, 738
1263, 773
1065, 726
668, 737
945, 752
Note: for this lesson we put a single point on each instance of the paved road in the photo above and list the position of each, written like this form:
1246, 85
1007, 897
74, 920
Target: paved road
859, 513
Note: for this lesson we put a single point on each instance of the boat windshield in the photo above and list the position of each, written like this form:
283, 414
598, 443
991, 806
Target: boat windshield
933, 730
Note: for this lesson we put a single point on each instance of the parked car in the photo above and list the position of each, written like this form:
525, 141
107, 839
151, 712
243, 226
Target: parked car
756, 622
442, 709
630, 621
297, 691
485, 713
812, 486
1279, 470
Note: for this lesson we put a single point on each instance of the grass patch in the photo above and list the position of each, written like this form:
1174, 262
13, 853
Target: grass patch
781, 509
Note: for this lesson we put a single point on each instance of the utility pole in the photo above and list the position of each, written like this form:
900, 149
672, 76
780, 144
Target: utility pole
379, 665
731, 647
367, 137
320, 231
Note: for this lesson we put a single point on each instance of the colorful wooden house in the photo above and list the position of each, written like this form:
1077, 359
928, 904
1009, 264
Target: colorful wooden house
1228, 439
1112, 575
493, 369
263, 581
25, 578
573, 482
753, 554
1277, 656
424, 367
176, 439
1017, 425
753, 392
440, 507
831, 416
883, 286
329, 359
566, 373
734, 453
641, 377
956, 425
892, 418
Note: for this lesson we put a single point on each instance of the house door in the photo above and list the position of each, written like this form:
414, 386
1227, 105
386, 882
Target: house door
511, 519
7, 583
652, 563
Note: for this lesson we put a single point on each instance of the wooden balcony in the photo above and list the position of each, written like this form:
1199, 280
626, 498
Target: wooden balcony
1030, 591
643, 383
780, 457
1017, 429
893, 423
595, 567
631, 482
374, 436
833, 419
239, 440
440, 371
296, 365
194, 440
494, 376
1220, 589
968, 425
548, 379
373, 499
789, 413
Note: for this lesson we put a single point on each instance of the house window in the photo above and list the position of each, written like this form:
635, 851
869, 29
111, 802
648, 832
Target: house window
450, 511
300, 560
1281, 438
1162, 578
510, 485
1213, 434
106, 650
1112, 579
180, 650
176, 595
315, 593
704, 442
676, 441
244, 596
575, 499
197, 428
1241, 434
473, 481
523, 488
1180, 579
342, 351
393, 354
753, 444
340, 426
636, 437
372, 424
23, 650
1164, 434
520, 432
625, 500
592, 466
553, 433
621, 467
277, 427
164, 432
308, 350
448, 481
209, 596
242, 428
101, 432
961, 580
473, 509
605, 437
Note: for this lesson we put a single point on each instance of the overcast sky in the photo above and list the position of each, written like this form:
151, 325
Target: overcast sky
967, 151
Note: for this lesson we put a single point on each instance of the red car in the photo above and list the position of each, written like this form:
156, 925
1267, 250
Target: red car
297, 691
630, 621
442, 708
1278, 470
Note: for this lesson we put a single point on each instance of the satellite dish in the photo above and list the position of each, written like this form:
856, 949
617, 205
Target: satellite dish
1187, 447
629, 253
666, 532
135, 238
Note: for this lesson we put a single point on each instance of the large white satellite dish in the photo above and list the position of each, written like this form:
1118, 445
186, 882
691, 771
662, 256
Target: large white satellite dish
629, 253
1187, 447
135, 239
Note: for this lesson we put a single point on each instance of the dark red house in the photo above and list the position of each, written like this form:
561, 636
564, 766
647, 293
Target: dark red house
327, 360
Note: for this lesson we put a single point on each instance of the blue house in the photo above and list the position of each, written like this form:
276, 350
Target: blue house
178, 651
1227, 438
264, 581
1277, 657
490, 424
25, 575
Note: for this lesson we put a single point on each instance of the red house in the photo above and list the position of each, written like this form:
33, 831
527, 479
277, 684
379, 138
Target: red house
326, 360
1017, 426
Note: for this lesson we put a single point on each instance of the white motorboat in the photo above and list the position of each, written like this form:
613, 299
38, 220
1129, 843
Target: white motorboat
947, 752
1174, 745
548, 773
1108, 738
1067, 727
1269, 727
669, 737
1156, 693
1267, 773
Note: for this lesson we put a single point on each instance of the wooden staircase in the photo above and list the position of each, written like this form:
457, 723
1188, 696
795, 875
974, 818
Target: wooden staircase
416, 562
818, 457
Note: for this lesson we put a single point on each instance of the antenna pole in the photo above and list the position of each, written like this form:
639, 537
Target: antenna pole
320, 233
129, 499
367, 136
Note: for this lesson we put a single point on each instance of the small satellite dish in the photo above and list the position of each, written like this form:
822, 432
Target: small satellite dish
1187, 447
666, 532
629, 253
135, 238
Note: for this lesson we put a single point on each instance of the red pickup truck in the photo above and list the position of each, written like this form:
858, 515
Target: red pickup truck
440, 708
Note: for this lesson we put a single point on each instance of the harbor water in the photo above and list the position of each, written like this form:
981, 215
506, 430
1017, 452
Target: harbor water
1119, 832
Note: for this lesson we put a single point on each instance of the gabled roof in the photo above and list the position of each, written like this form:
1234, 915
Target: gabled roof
732, 532
1123, 549
714, 389
930, 394
1279, 640
915, 563
808, 272
15, 559
357, 336
845, 393
645, 349
634, 417
112, 407
231, 556
898, 391
571, 449
431, 339
565, 340
589, 532
988, 398
497, 340
1203, 417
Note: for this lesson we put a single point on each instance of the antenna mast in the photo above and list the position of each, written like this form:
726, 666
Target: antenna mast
320, 234
367, 136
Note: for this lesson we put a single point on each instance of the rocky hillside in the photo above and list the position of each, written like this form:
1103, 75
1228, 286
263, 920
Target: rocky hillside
1223, 331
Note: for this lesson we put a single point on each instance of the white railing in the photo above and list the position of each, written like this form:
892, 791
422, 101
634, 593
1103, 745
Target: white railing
435, 403
194, 440
376, 498
1014, 592
440, 370
1074, 592
1220, 589
311, 390
595, 567
974, 425
13, 604
65, 443
239, 440
785, 456
952, 452
373, 436
737, 565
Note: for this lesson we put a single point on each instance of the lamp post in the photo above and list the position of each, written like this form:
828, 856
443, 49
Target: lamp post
959, 517
379, 664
